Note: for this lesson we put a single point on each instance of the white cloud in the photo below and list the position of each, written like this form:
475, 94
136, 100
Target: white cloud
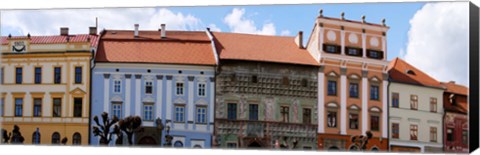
237, 22
438, 41
48, 22
285, 33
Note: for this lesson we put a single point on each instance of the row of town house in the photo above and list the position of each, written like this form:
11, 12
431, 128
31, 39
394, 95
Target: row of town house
205, 89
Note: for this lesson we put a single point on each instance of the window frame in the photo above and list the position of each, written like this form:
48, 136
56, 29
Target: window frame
37, 76
37, 107
433, 134
201, 89
375, 93
78, 75
2, 107
148, 114
372, 125
176, 119
304, 112
36, 140
350, 118
59, 106
395, 130
465, 137
335, 87
55, 139
18, 107
253, 112
414, 132
355, 90
59, 74
76, 139
450, 136
395, 97
199, 114
231, 114
119, 109
115, 85
179, 91
148, 86
413, 102
18, 75
335, 121
75, 106
285, 113
433, 105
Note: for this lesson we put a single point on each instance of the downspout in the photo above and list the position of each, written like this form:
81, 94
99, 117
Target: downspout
388, 112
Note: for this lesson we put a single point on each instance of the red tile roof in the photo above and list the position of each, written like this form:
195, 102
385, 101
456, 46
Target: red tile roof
250, 47
56, 39
455, 88
179, 47
397, 70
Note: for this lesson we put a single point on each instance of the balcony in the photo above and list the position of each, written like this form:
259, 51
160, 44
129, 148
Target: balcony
248, 128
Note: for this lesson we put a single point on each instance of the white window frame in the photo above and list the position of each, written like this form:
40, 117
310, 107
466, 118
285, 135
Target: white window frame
151, 111
151, 85
113, 108
197, 114
199, 91
119, 86
178, 88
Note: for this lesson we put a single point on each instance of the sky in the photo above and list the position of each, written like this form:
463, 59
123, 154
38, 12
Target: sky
421, 33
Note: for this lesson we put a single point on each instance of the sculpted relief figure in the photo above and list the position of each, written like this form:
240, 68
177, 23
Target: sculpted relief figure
295, 110
243, 103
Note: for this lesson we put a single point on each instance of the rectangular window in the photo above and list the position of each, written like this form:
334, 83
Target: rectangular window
433, 104
148, 112
201, 89
179, 113
179, 88
2, 76
2, 106
201, 114
77, 107
465, 137
354, 90
307, 116
450, 136
433, 134
18, 107
374, 92
78, 75
117, 109
18, 75
413, 102
148, 87
395, 130
38, 75
57, 75
117, 86
353, 51
332, 119
353, 118
413, 132
395, 100
57, 107
232, 111
332, 88
331, 48
37, 107
375, 54
253, 112
285, 113
374, 123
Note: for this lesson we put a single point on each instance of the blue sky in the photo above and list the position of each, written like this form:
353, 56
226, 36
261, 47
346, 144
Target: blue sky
437, 32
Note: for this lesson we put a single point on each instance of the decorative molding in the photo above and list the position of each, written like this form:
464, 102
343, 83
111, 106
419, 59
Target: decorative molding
332, 74
321, 69
354, 76
179, 101
343, 71
201, 79
106, 76
116, 76
116, 98
413, 120
331, 105
201, 102
148, 77
180, 78
374, 79
169, 77
433, 121
159, 77
191, 78
364, 73
375, 109
138, 76
148, 99
354, 107
212, 79
385, 76
128, 76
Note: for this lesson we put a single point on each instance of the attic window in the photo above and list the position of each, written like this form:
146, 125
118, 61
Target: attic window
411, 72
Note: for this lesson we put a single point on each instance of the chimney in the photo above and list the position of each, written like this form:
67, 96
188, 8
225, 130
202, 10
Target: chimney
92, 30
299, 39
64, 31
163, 33
135, 33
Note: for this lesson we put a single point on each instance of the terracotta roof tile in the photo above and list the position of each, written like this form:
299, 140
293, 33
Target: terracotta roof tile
279, 49
56, 39
455, 88
401, 71
179, 47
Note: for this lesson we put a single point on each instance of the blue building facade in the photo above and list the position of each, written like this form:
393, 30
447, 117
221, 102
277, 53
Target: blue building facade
179, 95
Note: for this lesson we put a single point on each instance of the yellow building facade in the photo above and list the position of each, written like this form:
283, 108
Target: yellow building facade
45, 85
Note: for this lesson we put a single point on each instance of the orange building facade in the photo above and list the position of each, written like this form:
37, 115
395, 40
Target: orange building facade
352, 82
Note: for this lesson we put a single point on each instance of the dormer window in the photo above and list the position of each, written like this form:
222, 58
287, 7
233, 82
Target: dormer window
411, 72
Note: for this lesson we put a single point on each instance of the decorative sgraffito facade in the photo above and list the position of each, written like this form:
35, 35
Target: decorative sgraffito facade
352, 82
46, 87
415, 110
269, 103
167, 77
455, 128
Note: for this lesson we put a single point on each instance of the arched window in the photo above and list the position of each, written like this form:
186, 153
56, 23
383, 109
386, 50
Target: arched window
197, 146
76, 139
178, 144
55, 138
353, 148
374, 149
36, 137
